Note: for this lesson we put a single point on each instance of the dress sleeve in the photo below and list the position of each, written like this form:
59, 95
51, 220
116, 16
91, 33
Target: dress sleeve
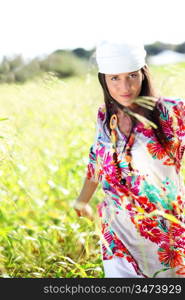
94, 168
175, 118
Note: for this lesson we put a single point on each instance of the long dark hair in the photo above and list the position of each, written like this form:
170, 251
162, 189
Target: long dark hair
147, 89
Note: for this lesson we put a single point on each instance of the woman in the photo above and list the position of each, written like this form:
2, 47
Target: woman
136, 155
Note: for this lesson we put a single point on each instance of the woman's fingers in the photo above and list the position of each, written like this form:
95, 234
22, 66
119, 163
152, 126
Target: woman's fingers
85, 211
78, 212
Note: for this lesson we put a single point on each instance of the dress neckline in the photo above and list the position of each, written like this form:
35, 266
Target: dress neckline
134, 130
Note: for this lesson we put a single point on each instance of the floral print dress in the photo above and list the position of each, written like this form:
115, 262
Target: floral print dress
144, 223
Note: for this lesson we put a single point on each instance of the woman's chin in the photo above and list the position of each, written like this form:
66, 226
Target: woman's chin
127, 103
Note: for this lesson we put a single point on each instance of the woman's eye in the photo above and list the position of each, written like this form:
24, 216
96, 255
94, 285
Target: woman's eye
114, 77
133, 75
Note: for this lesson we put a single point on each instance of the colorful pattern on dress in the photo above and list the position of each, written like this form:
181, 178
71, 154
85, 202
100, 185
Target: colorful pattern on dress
145, 222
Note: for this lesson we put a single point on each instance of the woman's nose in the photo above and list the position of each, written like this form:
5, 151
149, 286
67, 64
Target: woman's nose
125, 86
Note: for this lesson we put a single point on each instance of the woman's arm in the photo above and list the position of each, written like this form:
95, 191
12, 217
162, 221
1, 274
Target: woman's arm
81, 204
92, 174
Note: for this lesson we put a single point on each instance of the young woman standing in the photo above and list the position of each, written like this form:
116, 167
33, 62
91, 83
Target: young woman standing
138, 164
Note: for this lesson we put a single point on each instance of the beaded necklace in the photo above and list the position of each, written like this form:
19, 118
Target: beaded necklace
127, 149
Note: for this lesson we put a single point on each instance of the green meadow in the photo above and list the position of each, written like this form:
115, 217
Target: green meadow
47, 128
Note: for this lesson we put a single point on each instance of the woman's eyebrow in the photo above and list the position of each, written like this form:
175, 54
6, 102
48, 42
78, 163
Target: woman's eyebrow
133, 72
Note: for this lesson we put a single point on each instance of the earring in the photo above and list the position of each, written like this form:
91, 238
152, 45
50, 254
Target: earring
113, 121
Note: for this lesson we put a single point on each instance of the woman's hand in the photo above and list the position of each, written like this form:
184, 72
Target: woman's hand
83, 210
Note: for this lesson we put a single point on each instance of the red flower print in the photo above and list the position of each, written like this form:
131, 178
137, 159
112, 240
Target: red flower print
180, 152
170, 256
90, 171
181, 270
176, 229
176, 233
100, 151
167, 127
119, 244
119, 254
179, 113
169, 162
172, 149
148, 132
156, 150
135, 186
101, 113
108, 163
156, 236
147, 224
146, 204
148, 228
104, 227
142, 200
180, 243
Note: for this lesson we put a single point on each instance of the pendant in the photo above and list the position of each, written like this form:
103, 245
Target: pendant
123, 181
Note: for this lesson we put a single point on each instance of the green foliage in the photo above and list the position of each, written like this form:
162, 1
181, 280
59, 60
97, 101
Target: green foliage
157, 47
42, 168
181, 48
64, 64
82, 53
44, 153
61, 63
27, 71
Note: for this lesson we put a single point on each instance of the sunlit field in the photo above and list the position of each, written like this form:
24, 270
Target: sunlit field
44, 147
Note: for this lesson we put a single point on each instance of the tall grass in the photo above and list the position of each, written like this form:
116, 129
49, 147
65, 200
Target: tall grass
43, 154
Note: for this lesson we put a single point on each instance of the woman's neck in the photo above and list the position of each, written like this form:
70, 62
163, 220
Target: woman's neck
135, 109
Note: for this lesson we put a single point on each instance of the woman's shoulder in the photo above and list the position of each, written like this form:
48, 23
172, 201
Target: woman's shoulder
171, 102
171, 105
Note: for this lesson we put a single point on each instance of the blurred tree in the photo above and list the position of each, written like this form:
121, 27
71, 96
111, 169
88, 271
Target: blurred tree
157, 47
63, 64
181, 48
16, 62
82, 53
4, 67
28, 71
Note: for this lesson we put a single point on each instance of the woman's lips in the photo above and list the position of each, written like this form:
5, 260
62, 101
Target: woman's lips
126, 96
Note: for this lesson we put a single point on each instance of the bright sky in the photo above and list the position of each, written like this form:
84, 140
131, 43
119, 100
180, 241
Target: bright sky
36, 27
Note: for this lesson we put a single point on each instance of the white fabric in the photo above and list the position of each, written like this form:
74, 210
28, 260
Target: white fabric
115, 57
119, 267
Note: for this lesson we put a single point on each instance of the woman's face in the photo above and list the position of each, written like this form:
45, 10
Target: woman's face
124, 87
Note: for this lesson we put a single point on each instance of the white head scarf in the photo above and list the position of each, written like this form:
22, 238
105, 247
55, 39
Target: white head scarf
119, 56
